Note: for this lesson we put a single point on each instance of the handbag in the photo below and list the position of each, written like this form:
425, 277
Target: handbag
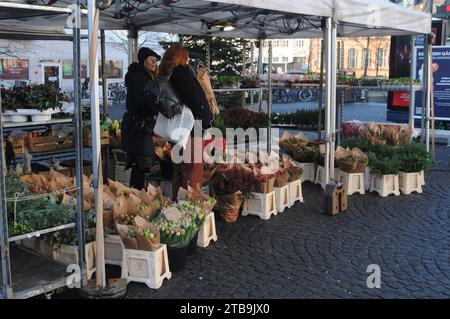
166, 99
176, 129
205, 82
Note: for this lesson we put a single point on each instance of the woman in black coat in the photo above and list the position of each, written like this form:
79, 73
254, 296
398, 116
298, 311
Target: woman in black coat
184, 81
138, 121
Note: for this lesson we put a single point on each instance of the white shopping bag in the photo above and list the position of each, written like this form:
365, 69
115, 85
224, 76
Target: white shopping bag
177, 129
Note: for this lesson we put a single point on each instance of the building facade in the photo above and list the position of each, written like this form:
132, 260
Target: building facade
352, 54
288, 55
40, 61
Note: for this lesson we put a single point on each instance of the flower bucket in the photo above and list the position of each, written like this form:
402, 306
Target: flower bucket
177, 257
192, 247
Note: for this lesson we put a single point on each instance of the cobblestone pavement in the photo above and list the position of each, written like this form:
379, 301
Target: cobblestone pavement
304, 254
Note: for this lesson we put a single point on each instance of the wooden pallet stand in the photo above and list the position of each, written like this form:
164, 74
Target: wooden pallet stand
295, 192
353, 182
104, 139
68, 254
281, 198
207, 231
42, 143
262, 205
367, 179
148, 267
385, 185
335, 199
422, 178
320, 176
410, 182
113, 250
309, 173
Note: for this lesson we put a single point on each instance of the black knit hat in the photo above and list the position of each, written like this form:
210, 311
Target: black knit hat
144, 53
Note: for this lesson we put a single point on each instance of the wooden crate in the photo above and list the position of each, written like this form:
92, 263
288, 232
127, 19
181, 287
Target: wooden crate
19, 145
42, 143
104, 138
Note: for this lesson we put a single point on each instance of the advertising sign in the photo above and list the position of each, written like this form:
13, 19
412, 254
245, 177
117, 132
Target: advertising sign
14, 69
441, 82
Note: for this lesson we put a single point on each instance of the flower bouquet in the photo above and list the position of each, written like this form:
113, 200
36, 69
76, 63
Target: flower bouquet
229, 183
294, 172
137, 233
351, 161
281, 177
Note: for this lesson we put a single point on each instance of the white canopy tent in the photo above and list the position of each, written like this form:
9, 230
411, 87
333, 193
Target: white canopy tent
252, 18
249, 19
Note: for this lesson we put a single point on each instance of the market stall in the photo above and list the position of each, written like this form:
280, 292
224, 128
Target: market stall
242, 19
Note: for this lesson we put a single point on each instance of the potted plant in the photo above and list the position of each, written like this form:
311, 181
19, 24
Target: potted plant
414, 161
178, 224
384, 167
39, 100
13, 99
229, 185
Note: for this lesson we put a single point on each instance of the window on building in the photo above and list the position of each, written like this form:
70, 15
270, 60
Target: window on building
299, 43
352, 58
275, 43
286, 43
381, 58
275, 59
285, 59
363, 58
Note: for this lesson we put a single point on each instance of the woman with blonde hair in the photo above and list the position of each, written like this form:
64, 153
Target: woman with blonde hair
175, 66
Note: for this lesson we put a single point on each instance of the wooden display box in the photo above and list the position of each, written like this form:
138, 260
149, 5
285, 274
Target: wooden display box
113, 250
385, 185
149, 267
262, 205
19, 144
42, 143
104, 139
207, 231
68, 255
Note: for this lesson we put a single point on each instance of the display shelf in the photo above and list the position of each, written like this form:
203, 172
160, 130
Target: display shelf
238, 90
41, 232
27, 282
34, 124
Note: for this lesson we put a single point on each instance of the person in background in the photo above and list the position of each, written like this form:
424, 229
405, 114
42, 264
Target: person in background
138, 121
182, 77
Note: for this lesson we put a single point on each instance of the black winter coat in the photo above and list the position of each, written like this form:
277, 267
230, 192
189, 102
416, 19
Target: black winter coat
133, 141
185, 83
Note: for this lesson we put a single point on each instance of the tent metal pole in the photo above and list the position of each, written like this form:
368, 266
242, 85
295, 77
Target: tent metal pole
333, 96
327, 45
93, 23
208, 53
132, 45
412, 94
260, 68
429, 74
6, 288
104, 80
78, 124
322, 52
269, 102
425, 78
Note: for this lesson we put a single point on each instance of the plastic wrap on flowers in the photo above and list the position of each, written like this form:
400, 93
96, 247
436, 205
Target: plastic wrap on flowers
281, 178
229, 206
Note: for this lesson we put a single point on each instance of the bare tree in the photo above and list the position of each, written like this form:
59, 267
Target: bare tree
119, 39
368, 44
